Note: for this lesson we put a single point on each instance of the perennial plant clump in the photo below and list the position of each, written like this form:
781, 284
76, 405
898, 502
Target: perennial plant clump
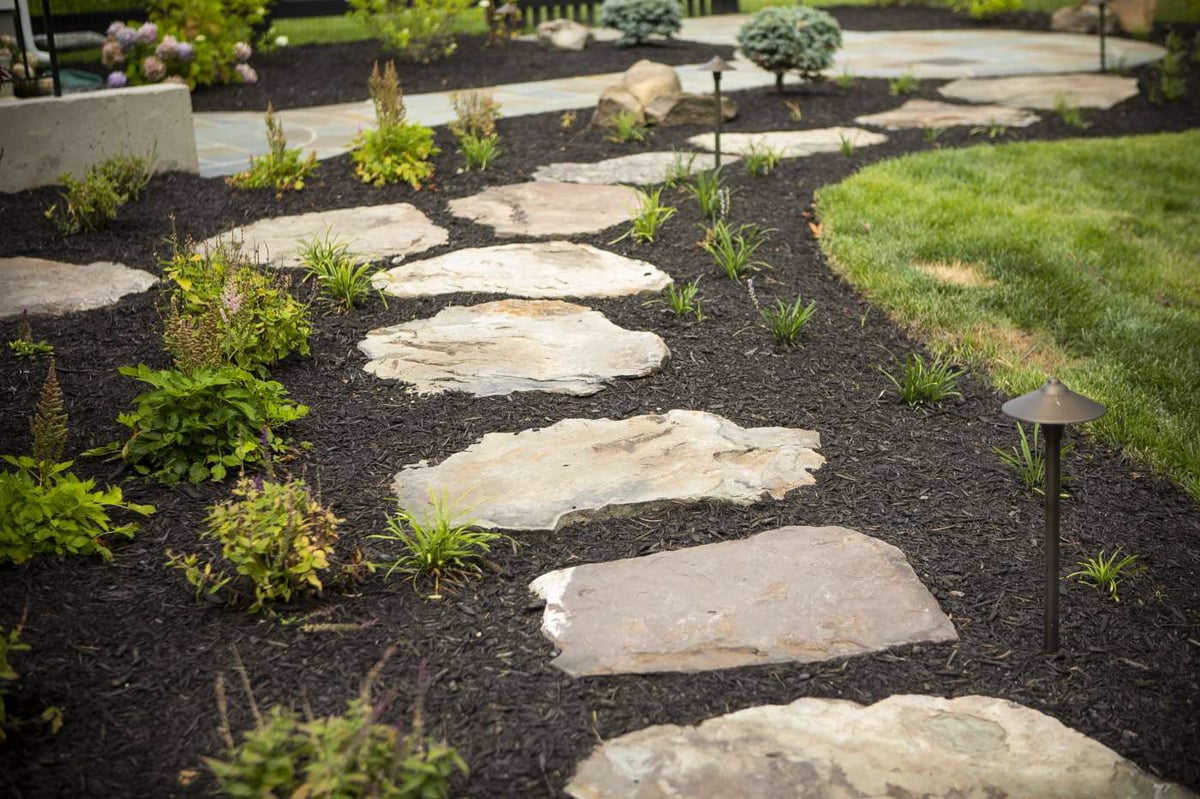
282, 169
791, 39
418, 30
91, 203
395, 150
638, 20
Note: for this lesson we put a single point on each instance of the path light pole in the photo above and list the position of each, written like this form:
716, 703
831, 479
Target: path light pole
1103, 4
1053, 406
716, 66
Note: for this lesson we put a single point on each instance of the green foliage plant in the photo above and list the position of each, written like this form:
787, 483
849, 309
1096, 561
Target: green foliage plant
420, 31
1028, 460
282, 169
733, 247
625, 127
649, 216
681, 300
845, 81
786, 39
437, 544
1169, 75
846, 144
23, 346
993, 130
44, 507
785, 322
91, 203
276, 536
679, 171
354, 755
475, 114
795, 110
344, 280
479, 152
926, 382
931, 134
711, 193
760, 158
984, 9
638, 20
202, 424
903, 85
1070, 113
1105, 572
395, 150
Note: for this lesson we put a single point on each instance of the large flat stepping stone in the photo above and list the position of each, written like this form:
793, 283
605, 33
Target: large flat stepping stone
374, 233
796, 594
585, 468
40, 286
542, 208
791, 143
534, 269
639, 169
512, 345
902, 746
1045, 92
935, 114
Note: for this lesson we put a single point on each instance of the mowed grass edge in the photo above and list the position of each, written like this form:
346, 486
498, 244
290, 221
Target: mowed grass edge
1079, 259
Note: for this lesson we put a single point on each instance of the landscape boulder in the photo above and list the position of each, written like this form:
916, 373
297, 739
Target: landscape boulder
563, 34
1081, 19
654, 95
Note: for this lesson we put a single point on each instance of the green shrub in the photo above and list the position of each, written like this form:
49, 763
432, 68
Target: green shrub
128, 174
200, 425
419, 30
982, 9
638, 20
281, 168
343, 280
256, 320
475, 114
479, 153
791, 39
275, 535
85, 205
395, 150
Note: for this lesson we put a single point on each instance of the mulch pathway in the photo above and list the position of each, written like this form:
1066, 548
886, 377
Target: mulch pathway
130, 658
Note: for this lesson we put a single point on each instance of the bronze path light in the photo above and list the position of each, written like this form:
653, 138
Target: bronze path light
1053, 406
1103, 4
716, 66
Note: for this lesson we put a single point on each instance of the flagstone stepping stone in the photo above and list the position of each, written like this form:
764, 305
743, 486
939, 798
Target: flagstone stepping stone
542, 208
585, 468
796, 594
40, 286
935, 114
373, 233
791, 143
639, 169
905, 745
532, 269
1086, 90
512, 345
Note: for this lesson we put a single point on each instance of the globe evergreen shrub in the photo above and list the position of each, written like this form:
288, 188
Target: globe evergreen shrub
791, 39
638, 20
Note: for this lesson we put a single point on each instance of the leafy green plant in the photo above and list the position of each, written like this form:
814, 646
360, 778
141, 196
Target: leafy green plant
1070, 113
475, 114
846, 144
992, 130
681, 300
903, 85
1105, 572
566, 122
201, 425
281, 168
760, 158
349, 756
23, 346
931, 134
479, 153
732, 247
791, 39
275, 535
128, 174
253, 318
711, 193
395, 150
786, 322
638, 20
418, 30
344, 281
88, 204
649, 216
923, 382
983, 9
437, 544
845, 81
1169, 82
1028, 460
625, 127
679, 171
795, 110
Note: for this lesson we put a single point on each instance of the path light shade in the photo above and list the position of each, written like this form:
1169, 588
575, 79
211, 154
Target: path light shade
1103, 8
1053, 406
716, 66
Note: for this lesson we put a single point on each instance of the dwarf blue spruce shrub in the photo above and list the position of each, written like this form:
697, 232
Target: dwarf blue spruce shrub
638, 20
791, 39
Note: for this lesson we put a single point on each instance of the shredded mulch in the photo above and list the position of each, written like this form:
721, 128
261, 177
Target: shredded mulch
131, 658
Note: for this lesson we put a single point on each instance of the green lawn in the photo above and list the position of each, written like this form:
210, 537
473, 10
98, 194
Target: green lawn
1079, 259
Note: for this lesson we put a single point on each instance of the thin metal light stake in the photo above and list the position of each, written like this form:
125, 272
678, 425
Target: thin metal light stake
1103, 6
1053, 436
48, 22
717, 88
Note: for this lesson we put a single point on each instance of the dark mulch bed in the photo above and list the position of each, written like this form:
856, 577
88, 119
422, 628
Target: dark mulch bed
131, 659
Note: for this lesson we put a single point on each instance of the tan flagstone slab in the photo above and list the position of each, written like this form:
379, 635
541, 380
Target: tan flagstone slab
532, 269
936, 114
791, 143
548, 209
512, 345
40, 286
907, 745
796, 594
373, 233
1045, 92
583, 468
639, 169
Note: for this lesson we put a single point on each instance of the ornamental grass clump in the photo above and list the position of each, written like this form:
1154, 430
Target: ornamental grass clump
791, 39
732, 248
926, 383
648, 217
785, 322
276, 537
1105, 573
1028, 460
711, 193
626, 127
638, 20
344, 279
282, 169
760, 158
681, 300
395, 151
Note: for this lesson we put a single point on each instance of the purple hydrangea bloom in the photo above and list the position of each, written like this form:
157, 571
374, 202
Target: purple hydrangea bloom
153, 69
247, 73
113, 28
148, 33
242, 52
185, 52
167, 49
127, 38
111, 54
116, 80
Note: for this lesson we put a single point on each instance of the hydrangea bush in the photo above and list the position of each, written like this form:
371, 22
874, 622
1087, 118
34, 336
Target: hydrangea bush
791, 39
638, 20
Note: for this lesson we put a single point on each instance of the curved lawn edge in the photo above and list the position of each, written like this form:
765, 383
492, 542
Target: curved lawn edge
1078, 259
